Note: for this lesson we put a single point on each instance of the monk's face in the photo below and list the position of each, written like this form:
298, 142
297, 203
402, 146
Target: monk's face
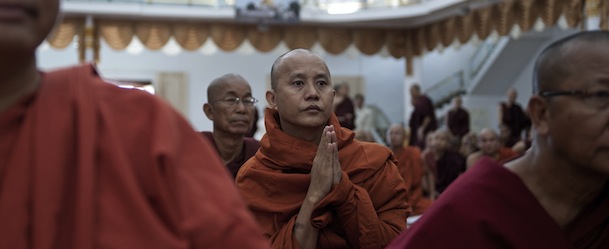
489, 144
303, 95
24, 24
578, 126
227, 115
396, 136
440, 141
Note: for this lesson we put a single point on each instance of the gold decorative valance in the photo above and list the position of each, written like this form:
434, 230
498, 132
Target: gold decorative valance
407, 42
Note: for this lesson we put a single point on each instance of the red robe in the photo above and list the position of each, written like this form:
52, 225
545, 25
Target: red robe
87, 165
490, 207
367, 209
250, 146
410, 166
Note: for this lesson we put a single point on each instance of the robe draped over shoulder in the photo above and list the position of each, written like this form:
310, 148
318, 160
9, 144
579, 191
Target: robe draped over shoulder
491, 207
410, 166
92, 165
367, 209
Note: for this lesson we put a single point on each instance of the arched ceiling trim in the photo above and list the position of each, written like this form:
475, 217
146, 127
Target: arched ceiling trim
400, 42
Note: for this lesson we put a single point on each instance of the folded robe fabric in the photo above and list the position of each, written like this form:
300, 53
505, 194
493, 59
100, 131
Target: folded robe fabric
410, 166
89, 165
365, 210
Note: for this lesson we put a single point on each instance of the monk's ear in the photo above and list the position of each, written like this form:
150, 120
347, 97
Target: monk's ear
208, 111
270, 98
538, 113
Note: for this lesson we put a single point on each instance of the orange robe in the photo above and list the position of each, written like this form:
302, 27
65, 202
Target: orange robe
367, 209
85, 164
506, 154
410, 166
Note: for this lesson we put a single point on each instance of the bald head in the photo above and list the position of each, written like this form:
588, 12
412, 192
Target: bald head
554, 63
279, 61
488, 141
216, 87
397, 135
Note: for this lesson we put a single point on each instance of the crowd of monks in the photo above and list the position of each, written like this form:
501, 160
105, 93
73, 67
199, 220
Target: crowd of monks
86, 164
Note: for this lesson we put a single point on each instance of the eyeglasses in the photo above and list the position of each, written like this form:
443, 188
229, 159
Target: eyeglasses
597, 99
247, 101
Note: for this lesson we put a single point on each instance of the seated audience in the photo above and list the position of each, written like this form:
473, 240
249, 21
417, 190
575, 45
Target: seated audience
445, 163
311, 185
231, 108
344, 107
557, 194
86, 164
491, 147
411, 168
469, 144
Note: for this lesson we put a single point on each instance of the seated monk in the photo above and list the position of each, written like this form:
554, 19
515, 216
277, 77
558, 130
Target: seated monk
85, 164
231, 108
490, 146
411, 168
443, 160
557, 194
311, 185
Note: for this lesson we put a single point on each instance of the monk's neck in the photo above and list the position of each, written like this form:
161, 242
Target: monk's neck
16, 82
312, 135
229, 145
562, 189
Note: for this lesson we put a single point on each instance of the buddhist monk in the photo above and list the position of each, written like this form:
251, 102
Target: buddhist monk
443, 160
423, 118
513, 116
85, 164
457, 119
311, 185
490, 146
344, 108
231, 108
411, 168
557, 194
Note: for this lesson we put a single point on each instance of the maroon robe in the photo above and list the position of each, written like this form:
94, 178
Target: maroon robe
423, 107
458, 122
250, 146
85, 164
445, 169
515, 119
343, 109
490, 207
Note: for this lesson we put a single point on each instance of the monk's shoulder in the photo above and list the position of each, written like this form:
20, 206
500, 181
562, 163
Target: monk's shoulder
368, 154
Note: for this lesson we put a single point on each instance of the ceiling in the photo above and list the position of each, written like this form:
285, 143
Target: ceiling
412, 15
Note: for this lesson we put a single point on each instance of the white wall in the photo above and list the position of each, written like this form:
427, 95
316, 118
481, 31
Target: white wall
440, 64
383, 76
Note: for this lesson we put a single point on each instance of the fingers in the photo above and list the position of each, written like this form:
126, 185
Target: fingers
336, 168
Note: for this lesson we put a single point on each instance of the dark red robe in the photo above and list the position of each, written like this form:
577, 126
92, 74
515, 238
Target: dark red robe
490, 207
250, 146
86, 165
458, 122
423, 107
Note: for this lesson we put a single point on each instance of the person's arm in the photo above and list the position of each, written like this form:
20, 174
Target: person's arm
421, 130
322, 179
371, 218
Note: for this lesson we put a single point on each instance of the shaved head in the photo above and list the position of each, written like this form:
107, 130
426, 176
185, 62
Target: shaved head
215, 88
553, 64
279, 60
